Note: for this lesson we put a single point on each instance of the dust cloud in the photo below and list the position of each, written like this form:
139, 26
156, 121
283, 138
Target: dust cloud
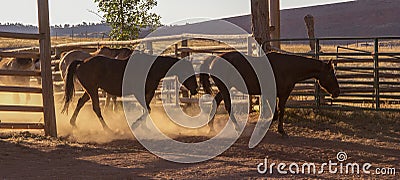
89, 129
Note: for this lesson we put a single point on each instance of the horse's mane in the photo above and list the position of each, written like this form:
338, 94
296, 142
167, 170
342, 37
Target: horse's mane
294, 57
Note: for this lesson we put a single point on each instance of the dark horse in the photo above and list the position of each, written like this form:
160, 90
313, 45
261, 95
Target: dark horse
107, 74
78, 55
288, 70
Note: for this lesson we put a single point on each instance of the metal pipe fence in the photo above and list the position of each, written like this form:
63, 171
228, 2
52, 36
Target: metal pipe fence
369, 79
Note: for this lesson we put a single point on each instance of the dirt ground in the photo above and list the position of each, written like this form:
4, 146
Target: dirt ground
366, 137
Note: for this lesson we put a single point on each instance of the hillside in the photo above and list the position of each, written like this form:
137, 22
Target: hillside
359, 18
356, 18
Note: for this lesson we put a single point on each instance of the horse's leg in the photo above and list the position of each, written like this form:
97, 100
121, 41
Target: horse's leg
27, 98
276, 112
107, 103
115, 105
142, 118
227, 100
96, 108
228, 105
218, 98
16, 98
281, 108
85, 98
28, 95
149, 96
139, 121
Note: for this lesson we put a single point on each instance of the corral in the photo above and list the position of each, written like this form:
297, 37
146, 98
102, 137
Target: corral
368, 132
363, 122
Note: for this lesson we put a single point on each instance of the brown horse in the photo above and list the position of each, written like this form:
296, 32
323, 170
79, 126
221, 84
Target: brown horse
21, 64
288, 70
78, 55
115, 53
107, 74
121, 53
71, 56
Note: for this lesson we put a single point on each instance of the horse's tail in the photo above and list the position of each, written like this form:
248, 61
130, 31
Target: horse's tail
205, 75
69, 88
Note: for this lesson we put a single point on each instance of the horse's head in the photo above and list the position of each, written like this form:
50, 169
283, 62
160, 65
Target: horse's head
124, 53
327, 79
185, 72
24, 61
37, 64
106, 51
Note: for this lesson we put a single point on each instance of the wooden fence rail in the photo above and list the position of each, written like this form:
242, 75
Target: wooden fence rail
19, 54
47, 83
20, 35
16, 89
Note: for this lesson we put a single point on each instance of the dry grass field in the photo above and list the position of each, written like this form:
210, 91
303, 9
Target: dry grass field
18, 43
89, 152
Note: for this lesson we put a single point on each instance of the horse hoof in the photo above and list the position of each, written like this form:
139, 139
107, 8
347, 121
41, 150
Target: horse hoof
73, 125
145, 128
107, 129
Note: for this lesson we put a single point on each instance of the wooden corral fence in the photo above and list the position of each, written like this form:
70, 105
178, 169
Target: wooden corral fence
369, 79
46, 75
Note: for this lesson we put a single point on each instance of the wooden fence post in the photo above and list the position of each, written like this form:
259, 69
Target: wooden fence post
250, 46
45, 63
309, 20
315, 48
376, 74
260, 23
176, 50
275, 16
260, 28
318, 96
185, 44
149, 47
